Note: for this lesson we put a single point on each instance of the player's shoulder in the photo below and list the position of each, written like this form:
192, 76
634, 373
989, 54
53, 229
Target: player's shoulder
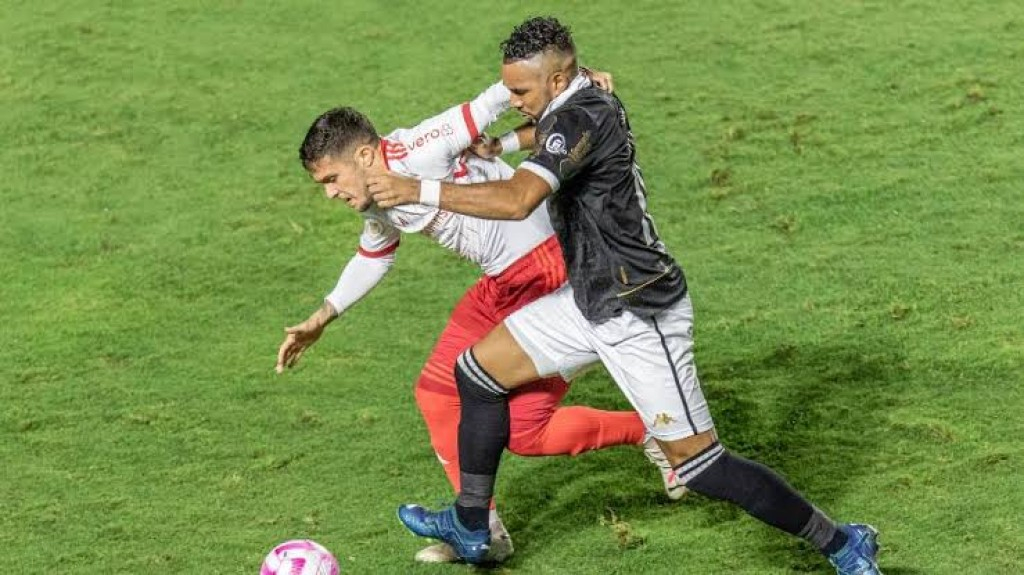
590, 107
409, 218
413, 155
595, 103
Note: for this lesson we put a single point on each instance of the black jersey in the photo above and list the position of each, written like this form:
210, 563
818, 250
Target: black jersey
615, 260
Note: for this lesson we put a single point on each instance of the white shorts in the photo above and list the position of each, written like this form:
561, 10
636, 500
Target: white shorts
651, 359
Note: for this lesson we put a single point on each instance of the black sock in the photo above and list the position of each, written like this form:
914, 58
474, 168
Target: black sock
483, 435
473, 518
762, 493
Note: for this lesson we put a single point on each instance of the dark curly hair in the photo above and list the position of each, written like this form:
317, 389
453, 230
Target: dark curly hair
333, 132
536, 35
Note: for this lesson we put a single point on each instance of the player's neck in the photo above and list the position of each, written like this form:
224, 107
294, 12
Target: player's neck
380, 162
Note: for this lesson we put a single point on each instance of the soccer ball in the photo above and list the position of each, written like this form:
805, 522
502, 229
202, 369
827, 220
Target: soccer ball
300, 557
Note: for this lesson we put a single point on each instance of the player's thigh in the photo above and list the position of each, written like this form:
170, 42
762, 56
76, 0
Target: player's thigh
545, 338
501, 356
651, 360
469, 322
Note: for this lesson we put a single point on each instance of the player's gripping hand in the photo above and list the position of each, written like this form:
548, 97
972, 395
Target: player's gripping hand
600, 79
390, 190
485, 146
299, 337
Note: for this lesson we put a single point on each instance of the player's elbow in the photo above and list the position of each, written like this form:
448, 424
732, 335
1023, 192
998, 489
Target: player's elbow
519, 212
523, 206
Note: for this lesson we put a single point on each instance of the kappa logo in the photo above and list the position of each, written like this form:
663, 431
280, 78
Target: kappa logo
663, 419
555, 144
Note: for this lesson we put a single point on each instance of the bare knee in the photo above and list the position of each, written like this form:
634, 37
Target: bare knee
679, 450
501, 356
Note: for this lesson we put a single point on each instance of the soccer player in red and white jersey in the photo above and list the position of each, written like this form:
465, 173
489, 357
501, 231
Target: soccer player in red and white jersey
521, 261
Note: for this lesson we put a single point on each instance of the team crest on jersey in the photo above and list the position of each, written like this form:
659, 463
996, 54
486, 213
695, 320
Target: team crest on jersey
555, 144
374, 228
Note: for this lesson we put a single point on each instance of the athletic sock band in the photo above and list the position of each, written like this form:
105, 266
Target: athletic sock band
692, 467
509, 142
476, 374
823, 533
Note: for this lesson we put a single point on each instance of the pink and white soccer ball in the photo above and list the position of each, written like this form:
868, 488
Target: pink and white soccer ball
300, 557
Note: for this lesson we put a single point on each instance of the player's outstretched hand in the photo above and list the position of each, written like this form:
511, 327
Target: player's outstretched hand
390, 189
296, 340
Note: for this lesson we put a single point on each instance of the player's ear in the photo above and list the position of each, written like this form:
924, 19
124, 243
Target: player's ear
364, 156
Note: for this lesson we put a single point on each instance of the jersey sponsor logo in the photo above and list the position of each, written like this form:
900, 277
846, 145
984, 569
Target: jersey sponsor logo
439, 221
555, 144
425, 138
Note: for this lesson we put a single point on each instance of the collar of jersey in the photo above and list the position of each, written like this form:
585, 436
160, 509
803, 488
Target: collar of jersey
578, 83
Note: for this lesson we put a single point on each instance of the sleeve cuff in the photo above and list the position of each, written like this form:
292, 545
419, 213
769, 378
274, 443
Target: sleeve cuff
544, 173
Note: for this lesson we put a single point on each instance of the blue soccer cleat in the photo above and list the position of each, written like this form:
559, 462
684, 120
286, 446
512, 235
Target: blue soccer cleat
857, 557
472, 546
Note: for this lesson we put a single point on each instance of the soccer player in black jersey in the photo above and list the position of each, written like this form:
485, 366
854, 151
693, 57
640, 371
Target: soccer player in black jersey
625, 305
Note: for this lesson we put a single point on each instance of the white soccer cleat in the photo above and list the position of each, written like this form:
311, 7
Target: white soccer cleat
655, 455
501, 541
501, 547
437, 553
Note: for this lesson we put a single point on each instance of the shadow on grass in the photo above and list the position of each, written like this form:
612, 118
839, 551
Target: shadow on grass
814, 414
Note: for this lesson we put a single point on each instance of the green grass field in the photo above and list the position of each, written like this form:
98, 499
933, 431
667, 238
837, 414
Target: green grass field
842, 182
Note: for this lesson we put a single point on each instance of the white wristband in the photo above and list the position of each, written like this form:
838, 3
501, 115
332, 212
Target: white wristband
509, 142
430, 193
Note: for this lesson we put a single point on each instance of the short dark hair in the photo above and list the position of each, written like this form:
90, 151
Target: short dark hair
334, 132
536, 35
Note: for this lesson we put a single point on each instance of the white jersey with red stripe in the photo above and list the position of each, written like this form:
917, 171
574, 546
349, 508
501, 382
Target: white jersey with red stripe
434, 150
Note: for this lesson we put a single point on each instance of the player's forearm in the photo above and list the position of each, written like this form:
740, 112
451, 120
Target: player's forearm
360, 275
498, 200
324, 315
